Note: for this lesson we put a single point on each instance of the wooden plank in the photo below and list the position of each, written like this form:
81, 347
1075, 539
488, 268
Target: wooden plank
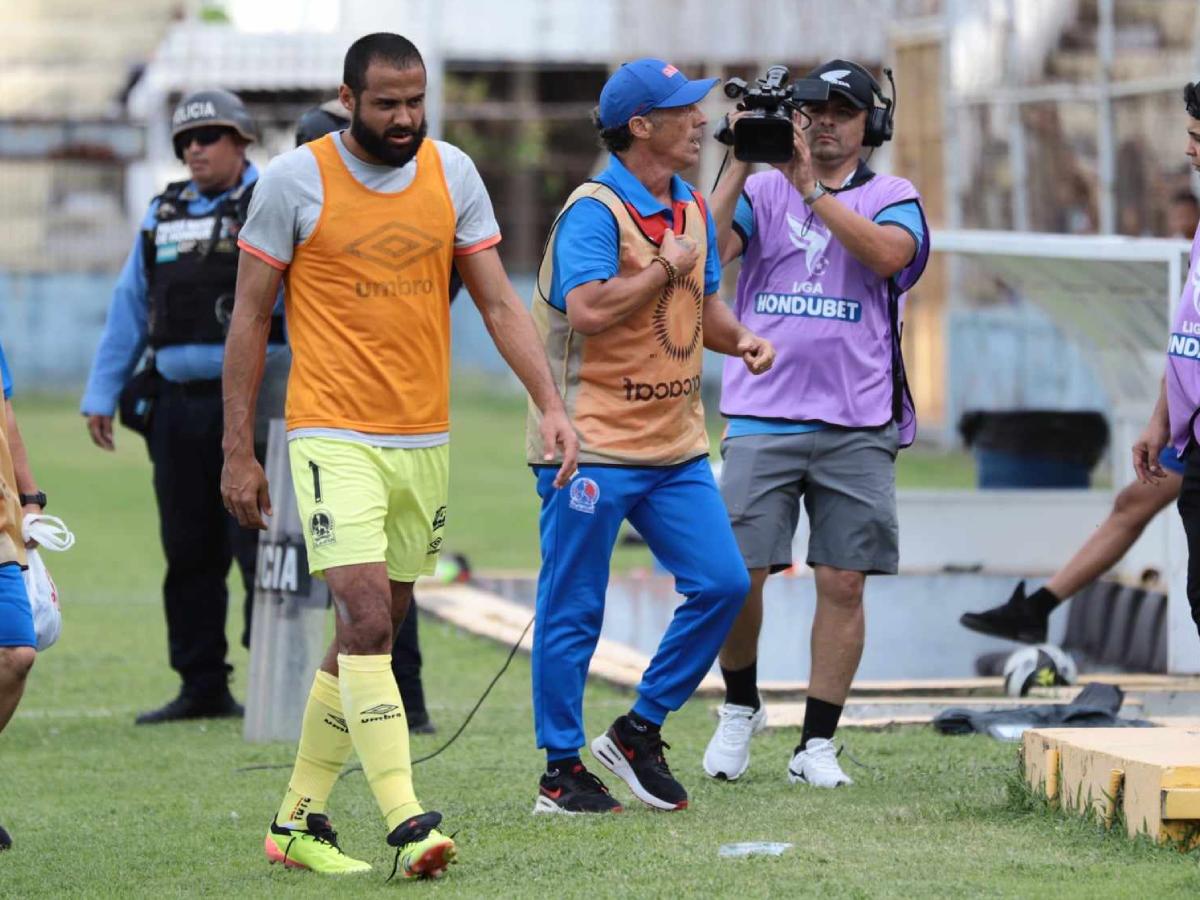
1125, 680
487, 615
874, 712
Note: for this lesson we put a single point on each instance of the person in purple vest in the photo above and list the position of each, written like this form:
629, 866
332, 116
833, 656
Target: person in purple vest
828, 249
1174, 420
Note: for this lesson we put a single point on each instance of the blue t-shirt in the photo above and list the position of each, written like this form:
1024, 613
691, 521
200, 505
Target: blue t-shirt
906, 215
586, 242
6, 375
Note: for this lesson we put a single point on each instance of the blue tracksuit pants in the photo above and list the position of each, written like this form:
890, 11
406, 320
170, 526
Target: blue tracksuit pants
678, 510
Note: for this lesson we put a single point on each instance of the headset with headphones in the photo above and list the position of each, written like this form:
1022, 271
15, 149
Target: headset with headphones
1191, 98
881, 120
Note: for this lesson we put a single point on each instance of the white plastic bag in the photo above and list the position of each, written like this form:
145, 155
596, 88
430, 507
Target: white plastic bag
51, 534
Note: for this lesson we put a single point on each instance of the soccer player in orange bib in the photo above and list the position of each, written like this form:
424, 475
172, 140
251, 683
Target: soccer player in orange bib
364, 226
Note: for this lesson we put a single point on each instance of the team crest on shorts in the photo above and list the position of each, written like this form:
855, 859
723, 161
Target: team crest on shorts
584, 494
320, 525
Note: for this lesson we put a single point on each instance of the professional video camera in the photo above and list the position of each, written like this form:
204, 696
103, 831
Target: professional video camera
766, 135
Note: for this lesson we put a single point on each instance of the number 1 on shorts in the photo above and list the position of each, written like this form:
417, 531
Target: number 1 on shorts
316, 473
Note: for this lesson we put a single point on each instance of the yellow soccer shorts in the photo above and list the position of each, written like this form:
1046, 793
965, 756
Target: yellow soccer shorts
364, 504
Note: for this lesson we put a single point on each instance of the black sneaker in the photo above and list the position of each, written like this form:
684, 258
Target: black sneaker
635, 755
574, 791
5, 839
188, 706
1016, 620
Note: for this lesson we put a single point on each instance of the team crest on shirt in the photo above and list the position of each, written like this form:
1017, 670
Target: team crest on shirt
320, 526
584, 494
812, 240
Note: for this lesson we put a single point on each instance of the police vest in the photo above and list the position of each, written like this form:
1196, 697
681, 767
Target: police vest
633, 391
191, 268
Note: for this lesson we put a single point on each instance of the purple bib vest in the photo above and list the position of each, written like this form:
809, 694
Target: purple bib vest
1183, 359
835, 324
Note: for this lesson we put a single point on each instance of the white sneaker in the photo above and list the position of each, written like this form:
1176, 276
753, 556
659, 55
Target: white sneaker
817, 764
728, 753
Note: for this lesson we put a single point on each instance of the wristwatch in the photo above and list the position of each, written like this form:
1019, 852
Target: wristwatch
817, 193
38, 499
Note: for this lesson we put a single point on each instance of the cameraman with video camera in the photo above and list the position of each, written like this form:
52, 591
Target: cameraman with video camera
829, 247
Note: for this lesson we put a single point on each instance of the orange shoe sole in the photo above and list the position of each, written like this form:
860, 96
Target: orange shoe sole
275, 856
433, 862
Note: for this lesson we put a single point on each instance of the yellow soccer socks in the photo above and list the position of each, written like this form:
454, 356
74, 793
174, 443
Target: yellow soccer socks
324, 749
375, 715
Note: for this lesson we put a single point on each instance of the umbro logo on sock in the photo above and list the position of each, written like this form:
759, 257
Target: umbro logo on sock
336, 721
380, 712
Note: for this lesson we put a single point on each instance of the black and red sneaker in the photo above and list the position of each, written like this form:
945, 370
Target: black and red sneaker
635, 754
573, 790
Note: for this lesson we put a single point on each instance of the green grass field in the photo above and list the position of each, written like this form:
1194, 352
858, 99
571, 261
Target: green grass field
99, 808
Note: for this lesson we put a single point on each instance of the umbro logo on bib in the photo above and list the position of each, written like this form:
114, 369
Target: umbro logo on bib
394, 245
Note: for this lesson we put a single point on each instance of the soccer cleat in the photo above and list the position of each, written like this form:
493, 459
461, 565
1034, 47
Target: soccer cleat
421, 850
314, 848
574, 792
5, 839
635, 755
1015, 620
728, 753
817, 764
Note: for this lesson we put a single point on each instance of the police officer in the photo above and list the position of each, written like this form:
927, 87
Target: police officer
174, 296
406, 651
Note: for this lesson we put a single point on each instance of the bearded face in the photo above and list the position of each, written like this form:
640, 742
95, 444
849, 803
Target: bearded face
395, 145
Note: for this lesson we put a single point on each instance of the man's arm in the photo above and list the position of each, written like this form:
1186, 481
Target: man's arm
884, 249
512, 331
599, 305
723, 333
243, 482
121, 346
723, 202
1150, 443
26, 483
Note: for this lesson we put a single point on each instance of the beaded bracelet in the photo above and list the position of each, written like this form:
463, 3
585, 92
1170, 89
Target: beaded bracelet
672, 272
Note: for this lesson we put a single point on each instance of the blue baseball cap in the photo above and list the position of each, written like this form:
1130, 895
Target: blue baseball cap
645, 84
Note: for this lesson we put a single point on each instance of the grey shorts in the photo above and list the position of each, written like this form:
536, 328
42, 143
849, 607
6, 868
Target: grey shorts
848, 481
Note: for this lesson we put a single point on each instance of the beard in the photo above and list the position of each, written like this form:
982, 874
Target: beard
377, 144
826, 152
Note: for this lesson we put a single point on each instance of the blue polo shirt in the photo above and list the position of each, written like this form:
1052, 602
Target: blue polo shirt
587, 245
126, 330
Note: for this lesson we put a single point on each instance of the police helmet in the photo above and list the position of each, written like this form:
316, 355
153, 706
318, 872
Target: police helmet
213, 107
320, 120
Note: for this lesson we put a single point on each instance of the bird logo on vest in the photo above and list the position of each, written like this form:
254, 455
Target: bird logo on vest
812, 240
667, 327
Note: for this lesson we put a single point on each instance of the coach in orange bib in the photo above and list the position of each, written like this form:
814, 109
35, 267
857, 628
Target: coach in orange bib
626, 302
363, 226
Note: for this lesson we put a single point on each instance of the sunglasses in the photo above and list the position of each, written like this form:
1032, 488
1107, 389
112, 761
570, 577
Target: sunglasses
205, 136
